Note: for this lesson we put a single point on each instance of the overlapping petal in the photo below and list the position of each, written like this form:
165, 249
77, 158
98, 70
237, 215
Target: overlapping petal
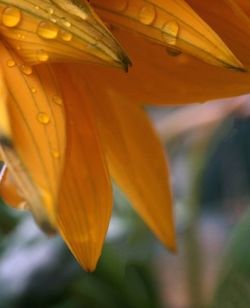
86, 194
58, 31
135, 158
9, 191
158, 78
34, 146
5, 130
57, 159
169, 23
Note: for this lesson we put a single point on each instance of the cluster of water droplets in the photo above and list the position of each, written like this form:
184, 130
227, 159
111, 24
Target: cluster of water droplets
49, 30
53, 28
147, 15
11, 18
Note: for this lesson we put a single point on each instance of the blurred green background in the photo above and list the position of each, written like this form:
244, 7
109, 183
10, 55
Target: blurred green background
209, 153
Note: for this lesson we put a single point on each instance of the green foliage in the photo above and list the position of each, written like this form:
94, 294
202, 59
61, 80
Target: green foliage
234, 285
124, 277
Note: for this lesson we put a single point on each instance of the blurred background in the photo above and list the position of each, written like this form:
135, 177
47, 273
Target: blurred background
208, 147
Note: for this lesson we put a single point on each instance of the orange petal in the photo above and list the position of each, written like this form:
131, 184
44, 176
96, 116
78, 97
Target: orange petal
34, 148
8, 190
136, 160
86, 193
157, 78
244, 6
171, 23
5, 130
58, 31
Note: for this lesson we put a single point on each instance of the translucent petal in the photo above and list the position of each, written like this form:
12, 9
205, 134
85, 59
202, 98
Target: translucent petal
135, 159
86, 194
58, 31
158, 78
171, 23
34, 149
9, 191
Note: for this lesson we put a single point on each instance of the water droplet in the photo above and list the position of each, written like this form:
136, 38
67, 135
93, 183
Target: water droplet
57, 100
11, 17
20, 36
173, 52
147, 14
33, 90
170, 32
66, 36
54, 20
18, 47
50, 10
11, 63
65, 22
42, 56
26, 69
56, 154
43, 118
47, 30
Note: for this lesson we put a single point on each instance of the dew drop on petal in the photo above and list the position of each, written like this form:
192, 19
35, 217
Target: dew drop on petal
11, 63
50, 10
26, 69
54, 20
66, 36
42, 56
65, 22
47, 30
147, 14
57, 100
43, 118
11, 17
56, 154
20, 36
170, 32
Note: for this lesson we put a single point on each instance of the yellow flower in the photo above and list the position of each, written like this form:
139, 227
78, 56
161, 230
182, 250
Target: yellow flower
70, 119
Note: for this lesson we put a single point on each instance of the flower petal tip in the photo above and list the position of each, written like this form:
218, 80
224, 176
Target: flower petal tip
232, 63
89, 266
173, 247
170, 243
240, 69
90, 270
122, 60
126, 63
